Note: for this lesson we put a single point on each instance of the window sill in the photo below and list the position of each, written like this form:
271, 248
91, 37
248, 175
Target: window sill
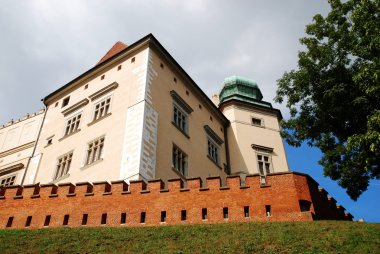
68, 135
60, 178
99, 119
91, 164
182, 131
220, 167
258, 125
179, 174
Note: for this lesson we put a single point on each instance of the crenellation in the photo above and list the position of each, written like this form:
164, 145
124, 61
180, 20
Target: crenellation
25, 117
155, 185
118, 187
13, 191
175, 184
101, 188
233, 182
252, 181
136, 186
213, 182
65, 189
84, 189
71, 202
46, 190
31, 190
194, 183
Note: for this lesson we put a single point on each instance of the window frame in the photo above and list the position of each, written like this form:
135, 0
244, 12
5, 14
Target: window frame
216, 142
69, 118
217, 159
98, 102
177, 123
263, 151
184, 161
5, 177
100, 156
257, 118
55, 176
184, 109
269, 161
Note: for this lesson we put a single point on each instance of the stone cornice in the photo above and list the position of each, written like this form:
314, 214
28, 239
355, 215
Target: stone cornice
17, 149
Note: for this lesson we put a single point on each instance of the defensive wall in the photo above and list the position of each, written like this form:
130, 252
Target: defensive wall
287, 196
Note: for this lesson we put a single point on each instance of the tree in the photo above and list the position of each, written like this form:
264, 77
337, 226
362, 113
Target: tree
334, 96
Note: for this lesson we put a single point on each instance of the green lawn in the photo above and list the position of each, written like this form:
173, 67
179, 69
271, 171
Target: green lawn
299, 237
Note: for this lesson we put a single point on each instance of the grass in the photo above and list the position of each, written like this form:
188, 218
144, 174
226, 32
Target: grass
298, 237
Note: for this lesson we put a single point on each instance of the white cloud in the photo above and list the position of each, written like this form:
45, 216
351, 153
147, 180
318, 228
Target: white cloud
47, 43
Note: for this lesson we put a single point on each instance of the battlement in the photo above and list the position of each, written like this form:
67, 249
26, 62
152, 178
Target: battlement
27, 116
284, 197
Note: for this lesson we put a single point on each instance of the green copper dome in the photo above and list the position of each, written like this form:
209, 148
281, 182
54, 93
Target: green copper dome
242, 89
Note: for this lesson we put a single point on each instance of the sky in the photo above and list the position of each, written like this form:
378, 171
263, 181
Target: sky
47, 43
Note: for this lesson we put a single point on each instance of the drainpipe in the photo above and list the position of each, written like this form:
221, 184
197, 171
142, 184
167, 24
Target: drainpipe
35, 144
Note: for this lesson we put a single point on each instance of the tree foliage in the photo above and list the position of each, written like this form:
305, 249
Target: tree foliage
334, 96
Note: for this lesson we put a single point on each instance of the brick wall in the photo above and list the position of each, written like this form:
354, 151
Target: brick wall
102, 203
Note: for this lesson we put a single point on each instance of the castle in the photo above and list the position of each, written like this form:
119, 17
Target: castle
136, 117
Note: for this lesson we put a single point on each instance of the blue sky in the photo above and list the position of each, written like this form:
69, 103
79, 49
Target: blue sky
47, 43
305, 159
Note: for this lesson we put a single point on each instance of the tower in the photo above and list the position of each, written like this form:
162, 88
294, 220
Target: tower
255, 143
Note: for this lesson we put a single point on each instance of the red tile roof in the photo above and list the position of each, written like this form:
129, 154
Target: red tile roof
118, 47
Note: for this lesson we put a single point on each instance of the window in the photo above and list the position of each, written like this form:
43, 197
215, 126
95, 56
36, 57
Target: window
84, 219
9, 222
47, 220
180, 118
305, 205
119, 68
256, 121
183, 215
204, 213
133, 59
213, 151
225, 212
8, 181
246, 211
72, 124
63, 165
102, 108
268, 210
181, 110
264, 164
123, 218
28, 221
213, 146
65, 101
104, 219
142, 217
179, 160
163, 216
95, 150
66, 220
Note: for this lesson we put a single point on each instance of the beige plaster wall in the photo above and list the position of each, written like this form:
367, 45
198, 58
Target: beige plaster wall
112, 127
17, 141
199, 165
243, 134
